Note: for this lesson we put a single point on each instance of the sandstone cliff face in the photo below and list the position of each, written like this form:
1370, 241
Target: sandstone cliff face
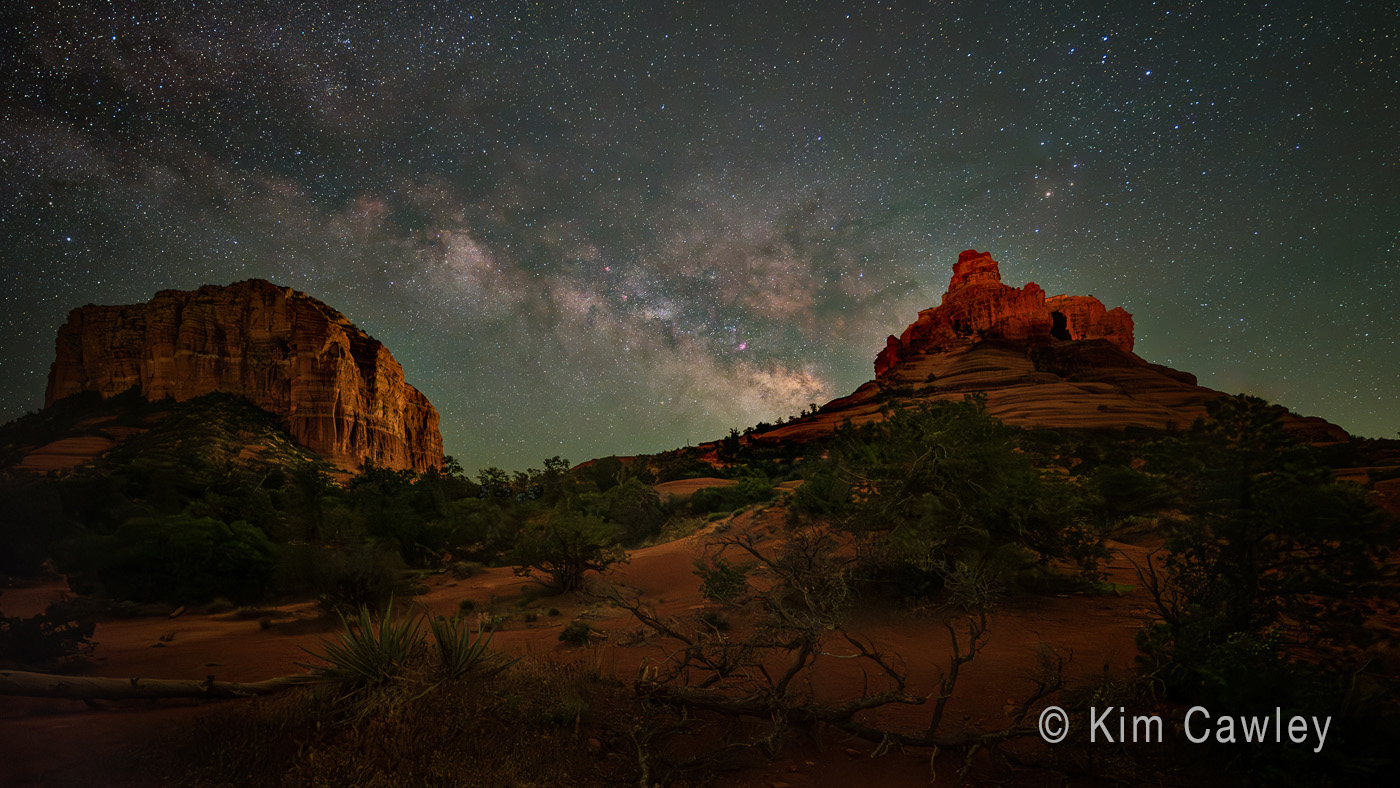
338, 390
978, 307
1063, 361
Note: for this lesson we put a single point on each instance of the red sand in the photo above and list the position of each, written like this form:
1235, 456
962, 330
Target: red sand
48, 743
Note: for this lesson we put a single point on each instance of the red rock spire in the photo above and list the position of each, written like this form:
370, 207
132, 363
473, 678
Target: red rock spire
979, 306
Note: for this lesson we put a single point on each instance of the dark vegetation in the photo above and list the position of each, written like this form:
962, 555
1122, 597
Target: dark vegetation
944, 490
214, 501
531, 725
796, 622
1264, 590
48, 641
412, 702
211, 500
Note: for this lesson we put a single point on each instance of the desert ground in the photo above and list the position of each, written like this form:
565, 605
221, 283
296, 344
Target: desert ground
120, 743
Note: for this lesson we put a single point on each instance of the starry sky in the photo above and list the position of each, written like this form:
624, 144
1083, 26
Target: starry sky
596, 228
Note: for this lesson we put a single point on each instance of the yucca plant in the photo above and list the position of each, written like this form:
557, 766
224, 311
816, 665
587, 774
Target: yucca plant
370, 652
460, 652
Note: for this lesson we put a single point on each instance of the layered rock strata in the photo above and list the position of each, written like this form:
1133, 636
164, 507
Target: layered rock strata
977, 306
338, 390
1060, 362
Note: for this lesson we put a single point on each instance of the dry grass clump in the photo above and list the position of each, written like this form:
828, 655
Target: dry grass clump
533, 724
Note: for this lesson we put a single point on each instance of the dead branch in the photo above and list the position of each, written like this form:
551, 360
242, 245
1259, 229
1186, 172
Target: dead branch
1165, 597
976, 639
46, 685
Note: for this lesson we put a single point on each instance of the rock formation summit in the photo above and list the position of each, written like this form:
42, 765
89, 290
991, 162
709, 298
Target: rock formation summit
978, 306
1060, 361
338, 391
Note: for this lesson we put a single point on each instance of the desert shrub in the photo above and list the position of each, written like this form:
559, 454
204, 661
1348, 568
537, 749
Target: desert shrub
1119, 492
567, 710
721, 581
343, 579
1270, 553
944, 484
371, 650
1269, 543
822, 495
576, 633
462, 570
34, 520
679, 464
177, 559
603, 473
566, 547
481, 527
422, 542
440, 513
514, 729
43, 642
635, 508
750, 489
459, 652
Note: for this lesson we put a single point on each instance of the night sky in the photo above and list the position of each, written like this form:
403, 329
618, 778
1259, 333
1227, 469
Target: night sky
588, 229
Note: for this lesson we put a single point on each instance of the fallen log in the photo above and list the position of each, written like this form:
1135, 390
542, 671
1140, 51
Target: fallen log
47, 685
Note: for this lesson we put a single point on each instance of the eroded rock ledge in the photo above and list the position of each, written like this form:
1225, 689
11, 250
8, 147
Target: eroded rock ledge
339, 391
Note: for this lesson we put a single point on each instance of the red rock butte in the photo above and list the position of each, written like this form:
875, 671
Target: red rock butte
1060, 362
978, 306
338, 390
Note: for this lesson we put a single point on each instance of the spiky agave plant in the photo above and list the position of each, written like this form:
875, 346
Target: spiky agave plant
460, 652
370, 652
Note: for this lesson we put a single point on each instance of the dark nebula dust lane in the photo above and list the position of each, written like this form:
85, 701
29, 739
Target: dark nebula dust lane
588, 229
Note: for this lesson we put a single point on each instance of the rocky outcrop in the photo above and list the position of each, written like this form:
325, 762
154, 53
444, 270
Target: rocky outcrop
339, 391
1059, 362
978, 306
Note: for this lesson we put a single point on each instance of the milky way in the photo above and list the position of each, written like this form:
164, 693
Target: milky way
588, 229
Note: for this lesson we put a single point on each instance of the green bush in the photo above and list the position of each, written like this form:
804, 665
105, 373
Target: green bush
33, 521
462, 570
370, 651
943, 485
1271, 552
750, 489
567, 546
177, 559
576, 633
343, 579
459, 652
721, 581
635, 508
